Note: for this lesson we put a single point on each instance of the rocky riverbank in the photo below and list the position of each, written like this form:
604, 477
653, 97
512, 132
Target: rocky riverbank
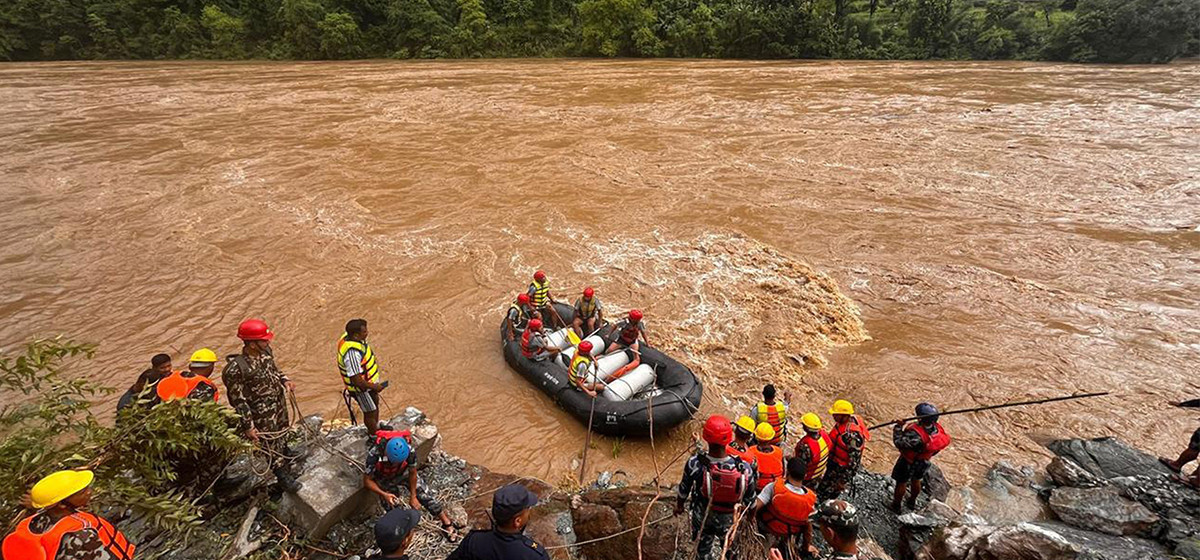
1096, 500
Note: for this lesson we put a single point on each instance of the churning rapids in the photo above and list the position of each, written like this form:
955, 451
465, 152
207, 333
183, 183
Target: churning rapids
888, 232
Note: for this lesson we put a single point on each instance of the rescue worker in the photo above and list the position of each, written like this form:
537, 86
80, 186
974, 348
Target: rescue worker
582, 371
195, 383
743, 440
714, 482
838, 522
360, 373
784, 506
1187, 455
391, 462
813, 448
62, 530
626, 333
534, 343
772, 412
256, 389
768, 458
393, 533
160, 367
512, 507
917, 442
542, 301
588, 314
518, 316
846, 442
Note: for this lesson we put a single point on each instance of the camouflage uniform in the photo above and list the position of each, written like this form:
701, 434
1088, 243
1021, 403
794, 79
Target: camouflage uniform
258, 397
79, 545
837, 475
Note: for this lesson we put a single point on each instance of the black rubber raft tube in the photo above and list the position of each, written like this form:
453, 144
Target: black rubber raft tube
680, 396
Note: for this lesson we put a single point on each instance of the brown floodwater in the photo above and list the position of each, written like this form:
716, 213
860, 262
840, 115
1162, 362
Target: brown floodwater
1003, 230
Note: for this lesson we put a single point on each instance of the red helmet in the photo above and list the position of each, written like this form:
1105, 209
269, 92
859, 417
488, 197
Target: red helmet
254, 329
585, 347
523, 298
535, 324
635, 315
717, 430
588, 292
539, 276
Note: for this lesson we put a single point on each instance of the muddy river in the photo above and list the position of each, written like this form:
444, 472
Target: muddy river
966, 233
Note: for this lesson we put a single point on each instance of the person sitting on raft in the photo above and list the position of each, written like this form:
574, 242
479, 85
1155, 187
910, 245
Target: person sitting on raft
518, 316
588, 314
584, 374
626, 333
534, 343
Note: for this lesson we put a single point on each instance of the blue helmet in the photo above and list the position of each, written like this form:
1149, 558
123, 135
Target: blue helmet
397, 450
929, 412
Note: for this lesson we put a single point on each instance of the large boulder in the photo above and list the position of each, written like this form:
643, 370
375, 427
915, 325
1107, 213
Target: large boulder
1107, 458
1007, 495
1035, 541
1025, 541
606, 512
331, 482
1066, 472
1101, 509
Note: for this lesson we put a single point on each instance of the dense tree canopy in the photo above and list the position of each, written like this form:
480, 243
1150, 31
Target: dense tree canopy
1071, 30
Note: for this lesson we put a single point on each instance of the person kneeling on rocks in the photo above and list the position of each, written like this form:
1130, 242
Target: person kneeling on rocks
512, 506
392, 462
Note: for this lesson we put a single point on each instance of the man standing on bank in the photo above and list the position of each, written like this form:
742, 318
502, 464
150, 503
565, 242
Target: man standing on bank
256, 389
360, 373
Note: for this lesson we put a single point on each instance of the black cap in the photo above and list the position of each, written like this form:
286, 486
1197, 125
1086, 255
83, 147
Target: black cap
511, 500
394, 527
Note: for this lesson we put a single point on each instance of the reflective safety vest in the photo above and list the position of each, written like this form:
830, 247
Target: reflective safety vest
541, 293
573, 374
24, 544
523, 315
839, 452
788, 512
370, 369
933, 443
586, 308
818, 454
177, 386
769, 465
776, 416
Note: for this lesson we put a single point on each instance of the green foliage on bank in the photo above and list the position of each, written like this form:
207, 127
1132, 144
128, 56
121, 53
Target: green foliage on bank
1069, 30
157, 461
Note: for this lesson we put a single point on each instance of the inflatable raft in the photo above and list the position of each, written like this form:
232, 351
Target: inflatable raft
623, 409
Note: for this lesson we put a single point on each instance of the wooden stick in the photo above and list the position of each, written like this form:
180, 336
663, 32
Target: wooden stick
992, 407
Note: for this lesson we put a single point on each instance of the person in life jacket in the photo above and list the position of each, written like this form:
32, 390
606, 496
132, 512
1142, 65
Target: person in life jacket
360, 373
625, 334
62, 530
846, 440
783, 509
743, 440
160, 367
917, 442
392, 465
541, 300
534, 343
772, 412
714, 483
518, 316
588, 314
768, 458
193, 383
813, 447
582, 372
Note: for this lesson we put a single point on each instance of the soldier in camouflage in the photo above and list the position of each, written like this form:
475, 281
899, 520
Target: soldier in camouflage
256, 390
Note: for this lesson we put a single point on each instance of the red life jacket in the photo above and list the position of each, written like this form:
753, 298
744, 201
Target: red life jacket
769, 465
525, 349
839, 453
629, 332
24, 544
788, 512
176, 386
933, 444
384, 467
818, 454
722, 484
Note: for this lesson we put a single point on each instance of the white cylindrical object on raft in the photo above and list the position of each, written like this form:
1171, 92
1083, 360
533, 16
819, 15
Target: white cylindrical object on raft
608, 365
558, 339
597, 348
629, 384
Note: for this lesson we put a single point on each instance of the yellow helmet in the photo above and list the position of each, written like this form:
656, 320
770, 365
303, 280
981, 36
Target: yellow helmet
811, 421
203, 356
764, 432
59, 486
841, 407
745, 423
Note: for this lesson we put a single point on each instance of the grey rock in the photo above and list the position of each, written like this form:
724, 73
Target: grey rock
332, 487
1099, 546
935, 484
1066, 472
1027, 542
1101, 509
1189, 549
243, 476
1107, 458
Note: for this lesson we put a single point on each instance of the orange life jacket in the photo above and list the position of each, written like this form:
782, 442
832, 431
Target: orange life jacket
743, 454
24, 544
818, 454
176, 386
933, 444
770, 465
775, 415
788, 512
629, 332
839, 453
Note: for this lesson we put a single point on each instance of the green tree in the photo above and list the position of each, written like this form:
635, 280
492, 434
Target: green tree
302, 32
694, 34
1137, 31
473, 36
418, 30
178, 35
340, 36
618, 28
226, 33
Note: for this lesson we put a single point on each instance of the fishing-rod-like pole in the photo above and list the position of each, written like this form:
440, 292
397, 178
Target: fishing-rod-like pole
992, 407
